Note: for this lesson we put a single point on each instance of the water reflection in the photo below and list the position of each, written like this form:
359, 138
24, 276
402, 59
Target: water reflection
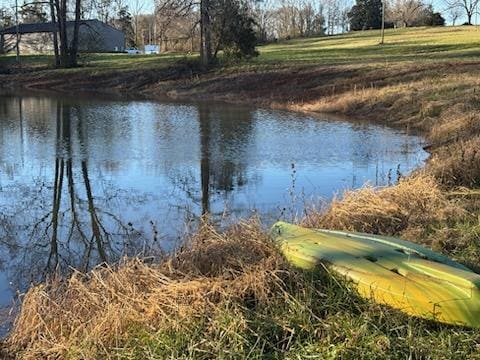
51, 219
87, 181
224, 140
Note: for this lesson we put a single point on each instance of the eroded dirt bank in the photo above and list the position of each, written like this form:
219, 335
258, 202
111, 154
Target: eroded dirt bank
293, 87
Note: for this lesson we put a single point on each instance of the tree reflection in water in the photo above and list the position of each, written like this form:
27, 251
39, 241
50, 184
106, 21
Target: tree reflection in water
63, 223
225, 137
75, 228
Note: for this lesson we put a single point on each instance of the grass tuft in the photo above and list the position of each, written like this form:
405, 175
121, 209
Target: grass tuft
415, 202
87, 314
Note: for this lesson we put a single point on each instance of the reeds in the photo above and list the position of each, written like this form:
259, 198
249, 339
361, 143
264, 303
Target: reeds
458, 163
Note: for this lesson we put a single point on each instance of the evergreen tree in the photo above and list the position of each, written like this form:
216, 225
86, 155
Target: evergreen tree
432, 18
124, 22
366, 14
436, 19
233, 28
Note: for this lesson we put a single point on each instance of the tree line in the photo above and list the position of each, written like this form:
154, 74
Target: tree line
231, 26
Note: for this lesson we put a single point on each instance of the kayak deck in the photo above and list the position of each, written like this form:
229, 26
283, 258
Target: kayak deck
389, 271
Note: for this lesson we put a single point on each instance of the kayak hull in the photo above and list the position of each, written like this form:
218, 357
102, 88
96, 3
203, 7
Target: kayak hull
390, 271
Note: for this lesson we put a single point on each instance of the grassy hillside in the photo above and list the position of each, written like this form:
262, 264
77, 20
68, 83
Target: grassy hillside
231, 295
401, 45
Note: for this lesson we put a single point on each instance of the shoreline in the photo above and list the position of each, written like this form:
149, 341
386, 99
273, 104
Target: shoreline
440, 99
184, 89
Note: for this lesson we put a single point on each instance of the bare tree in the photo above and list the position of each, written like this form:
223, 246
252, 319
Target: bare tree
66, 49
104, 9
297, 18
145, 29
454, 13
76, 27
333, 15
55, 33
168, 13
285, 22
205, 33
137, 7
6, 20
264, 15
404, 13
469, 7
33, 12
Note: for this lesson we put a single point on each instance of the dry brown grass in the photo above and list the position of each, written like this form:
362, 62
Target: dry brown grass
415, 202
455, 126
86, 315
421, 99
359, 99
458, 163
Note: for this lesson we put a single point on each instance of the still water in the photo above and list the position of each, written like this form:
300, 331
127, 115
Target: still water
88, 180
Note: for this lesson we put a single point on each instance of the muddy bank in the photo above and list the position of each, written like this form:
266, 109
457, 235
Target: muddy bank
287, 87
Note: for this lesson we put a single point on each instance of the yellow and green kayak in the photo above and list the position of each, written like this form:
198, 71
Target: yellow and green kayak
389, 271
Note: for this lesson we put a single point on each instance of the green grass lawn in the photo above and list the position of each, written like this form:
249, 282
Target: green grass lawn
410, 44
360, 48
96, 62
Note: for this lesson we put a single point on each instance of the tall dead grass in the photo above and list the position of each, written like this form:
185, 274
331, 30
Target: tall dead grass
415, 202
456, 125
87, 315
458, 163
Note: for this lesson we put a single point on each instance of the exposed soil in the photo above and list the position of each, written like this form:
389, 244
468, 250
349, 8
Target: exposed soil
282, 87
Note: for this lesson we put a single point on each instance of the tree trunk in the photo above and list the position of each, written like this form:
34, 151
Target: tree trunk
61, 6
205, 33
55, 33
469, 18
74, 47
64, 34
136, 30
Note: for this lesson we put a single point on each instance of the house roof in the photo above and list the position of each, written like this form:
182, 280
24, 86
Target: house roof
43, 27
28, 28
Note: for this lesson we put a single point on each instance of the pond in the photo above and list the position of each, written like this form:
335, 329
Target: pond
87, 180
